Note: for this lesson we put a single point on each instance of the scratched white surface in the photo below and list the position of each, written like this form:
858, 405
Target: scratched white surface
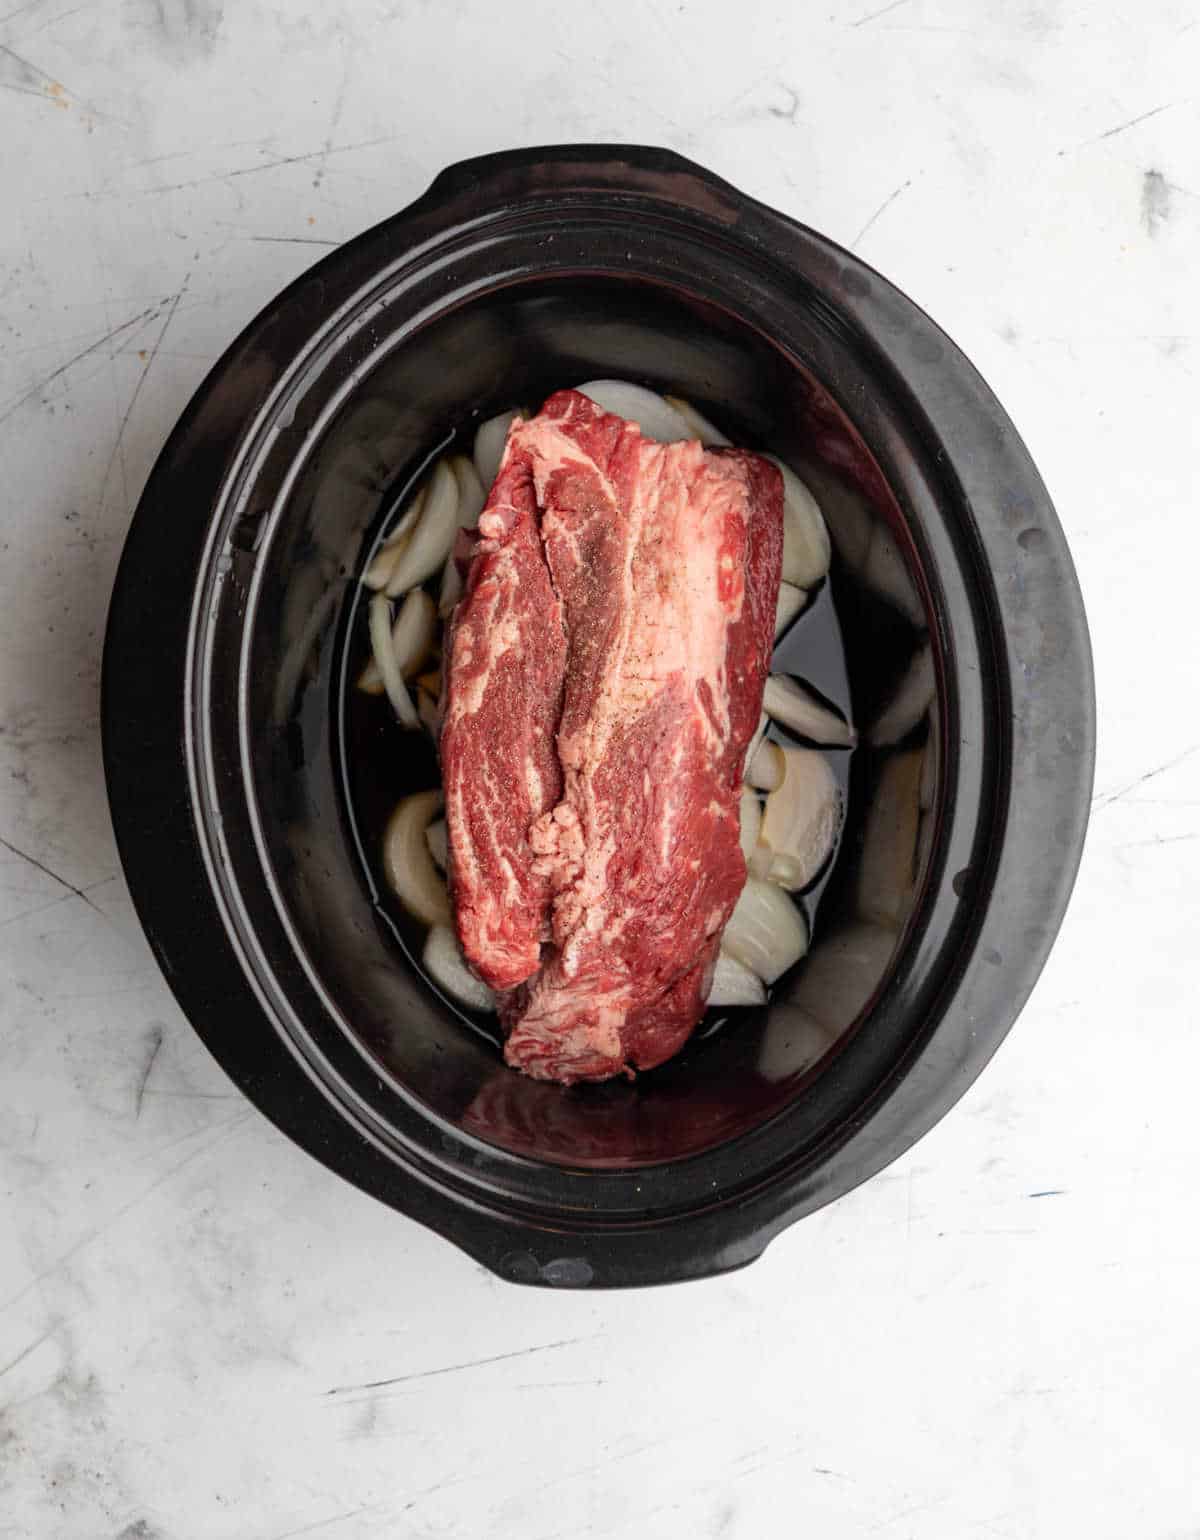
997, 1336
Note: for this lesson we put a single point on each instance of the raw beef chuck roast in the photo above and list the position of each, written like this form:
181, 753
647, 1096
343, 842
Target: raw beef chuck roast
605, 671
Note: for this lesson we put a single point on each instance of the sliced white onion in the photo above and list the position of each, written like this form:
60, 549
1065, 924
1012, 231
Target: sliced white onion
698, 424
412, 637
383, 563
867, 546
910, 700
444, 962
735, 984
749, 819
488, 449
787, 701
765, 770
805, 538
471, 495
429, 543
766, 932
848, 517
380, 613
886, 573
843, 971
789, 604
792, 1043
764, 722
800, 822
888, 866
653, 416
437, 837
451, 590
429, 713
408, 864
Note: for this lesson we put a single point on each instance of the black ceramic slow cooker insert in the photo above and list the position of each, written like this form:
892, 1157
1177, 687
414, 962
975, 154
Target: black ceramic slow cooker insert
229, 656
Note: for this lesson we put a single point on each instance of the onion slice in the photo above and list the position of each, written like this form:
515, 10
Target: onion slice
698, 425
843, 971
800, 822
849, 519
444, 962
766, 769
794, 1043
752, 747
648, 410
488, 449
451, 590
805, 538
887, 870
380, 613
471, 496
384, 561
789, 604
749, 821
766, 932
735, 984
429, 543
412, 637
910, 700
408, 864
430, 713
788, 702
885, 572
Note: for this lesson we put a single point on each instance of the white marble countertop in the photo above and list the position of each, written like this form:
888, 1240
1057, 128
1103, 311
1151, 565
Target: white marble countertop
999, 1335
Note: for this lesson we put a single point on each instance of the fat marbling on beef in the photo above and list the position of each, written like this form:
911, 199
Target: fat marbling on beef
604, 675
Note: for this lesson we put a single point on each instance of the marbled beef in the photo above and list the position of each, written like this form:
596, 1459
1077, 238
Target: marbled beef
604, 676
